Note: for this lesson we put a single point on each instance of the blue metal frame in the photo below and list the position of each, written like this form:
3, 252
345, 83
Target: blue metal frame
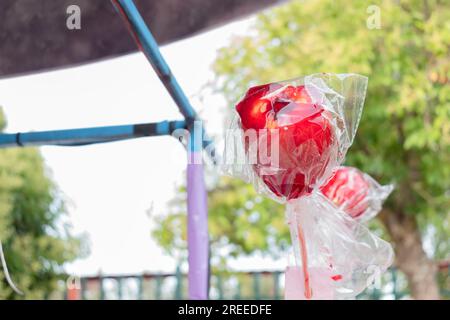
85, 136
149, 46
76, 137
198, 241
147, 43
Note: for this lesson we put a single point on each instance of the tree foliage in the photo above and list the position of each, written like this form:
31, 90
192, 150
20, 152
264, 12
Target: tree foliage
240, 222
36, 239
404, 133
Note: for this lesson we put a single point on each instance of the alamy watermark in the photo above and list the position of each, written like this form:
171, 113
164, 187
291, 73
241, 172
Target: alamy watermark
373, 21
374, 277
73, 20
73, 283
242, 147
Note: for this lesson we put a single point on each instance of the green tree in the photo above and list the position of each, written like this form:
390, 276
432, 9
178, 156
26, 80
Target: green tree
36, 239
404, 133
240, 223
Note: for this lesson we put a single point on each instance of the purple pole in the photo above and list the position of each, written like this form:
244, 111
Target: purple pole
198, 240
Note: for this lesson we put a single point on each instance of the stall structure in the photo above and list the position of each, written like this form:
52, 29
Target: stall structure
195, 141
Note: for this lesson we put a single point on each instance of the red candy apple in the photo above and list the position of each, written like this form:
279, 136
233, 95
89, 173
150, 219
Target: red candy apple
307, 141
348, 188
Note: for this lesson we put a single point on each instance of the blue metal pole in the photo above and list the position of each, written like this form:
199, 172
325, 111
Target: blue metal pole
196, 191
84, 136
149, 46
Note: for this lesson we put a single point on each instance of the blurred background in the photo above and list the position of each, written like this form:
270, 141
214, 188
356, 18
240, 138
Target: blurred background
109, 221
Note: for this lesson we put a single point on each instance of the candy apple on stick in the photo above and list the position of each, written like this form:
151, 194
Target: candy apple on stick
315, 119
306, 143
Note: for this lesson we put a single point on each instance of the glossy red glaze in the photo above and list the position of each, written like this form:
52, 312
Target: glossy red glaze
306, 136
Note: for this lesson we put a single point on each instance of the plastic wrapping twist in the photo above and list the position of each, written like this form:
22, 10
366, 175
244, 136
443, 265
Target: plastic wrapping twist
349, 255
287, 139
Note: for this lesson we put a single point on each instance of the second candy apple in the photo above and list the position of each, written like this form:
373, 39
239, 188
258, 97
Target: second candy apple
348, 189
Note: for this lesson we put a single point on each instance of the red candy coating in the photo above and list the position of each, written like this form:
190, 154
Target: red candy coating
306, 137
349, 189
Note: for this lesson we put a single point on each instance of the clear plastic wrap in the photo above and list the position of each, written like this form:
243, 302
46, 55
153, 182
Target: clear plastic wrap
328, 239
287, 139
356, 193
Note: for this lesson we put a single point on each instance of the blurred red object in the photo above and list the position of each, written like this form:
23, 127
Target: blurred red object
348, 189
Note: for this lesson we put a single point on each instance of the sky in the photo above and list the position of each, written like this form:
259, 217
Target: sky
109, 188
